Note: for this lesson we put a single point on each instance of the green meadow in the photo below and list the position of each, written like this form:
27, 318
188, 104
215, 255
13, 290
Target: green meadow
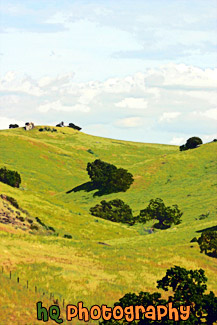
103, 260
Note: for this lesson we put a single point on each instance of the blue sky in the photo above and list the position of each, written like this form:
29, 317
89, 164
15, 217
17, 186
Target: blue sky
134, 70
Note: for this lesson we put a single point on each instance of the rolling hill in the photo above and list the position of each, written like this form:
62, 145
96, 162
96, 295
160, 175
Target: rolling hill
102, 260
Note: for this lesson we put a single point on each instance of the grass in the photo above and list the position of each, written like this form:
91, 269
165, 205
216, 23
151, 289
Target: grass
80, 268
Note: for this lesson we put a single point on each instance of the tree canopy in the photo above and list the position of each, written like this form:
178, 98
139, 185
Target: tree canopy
165, 215
188, 289
114, 210
109, 178
208, 243
191, 143
10, 177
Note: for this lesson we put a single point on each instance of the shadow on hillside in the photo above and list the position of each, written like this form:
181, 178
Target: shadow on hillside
214, 228
88, 187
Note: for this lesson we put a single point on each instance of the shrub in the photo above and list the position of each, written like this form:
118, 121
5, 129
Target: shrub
90, 151
11, 200
108, 177
67, 236
21, 218
73, 126
156, 210
191, 143
33, 227
13, 126
10, 177
47, 129
208, 243
114, 210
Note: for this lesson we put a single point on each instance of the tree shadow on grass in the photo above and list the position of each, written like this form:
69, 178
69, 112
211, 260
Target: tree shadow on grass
214, 228
88, 187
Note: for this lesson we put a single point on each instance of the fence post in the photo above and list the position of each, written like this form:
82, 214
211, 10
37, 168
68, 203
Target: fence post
35, 289
18, 280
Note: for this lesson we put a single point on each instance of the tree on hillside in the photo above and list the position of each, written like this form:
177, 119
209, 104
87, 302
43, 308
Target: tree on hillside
109, 178
188, 289
191, 143
208, 243
114, 210
156, 210
13, 126
10, 177
73, 126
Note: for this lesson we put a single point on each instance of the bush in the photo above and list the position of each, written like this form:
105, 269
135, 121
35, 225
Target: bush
114, 210
156, 210
208, 243
33, 227
13, 126
109, 178
11, 200
191, 143
73, 126
47, 129
67, 236
10, 177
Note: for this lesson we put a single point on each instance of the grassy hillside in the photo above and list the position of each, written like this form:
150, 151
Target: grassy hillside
82, 268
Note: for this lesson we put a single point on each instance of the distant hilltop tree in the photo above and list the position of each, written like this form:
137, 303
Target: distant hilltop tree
10, 177
191, 143
13, 126
108, 178
73, 126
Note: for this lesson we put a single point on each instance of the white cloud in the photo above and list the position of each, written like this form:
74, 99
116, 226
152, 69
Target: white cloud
150, 98
131, 102
177, 141
58, 106
5, 122
169, 116
129, 122
210, 113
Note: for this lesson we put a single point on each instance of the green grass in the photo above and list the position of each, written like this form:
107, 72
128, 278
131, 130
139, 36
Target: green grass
80, 268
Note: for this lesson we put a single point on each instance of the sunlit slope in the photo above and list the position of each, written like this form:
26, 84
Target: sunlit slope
80, 268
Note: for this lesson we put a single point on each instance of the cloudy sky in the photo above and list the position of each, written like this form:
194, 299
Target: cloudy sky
140, 70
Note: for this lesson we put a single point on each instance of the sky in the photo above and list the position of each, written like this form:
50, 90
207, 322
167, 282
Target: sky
137, 70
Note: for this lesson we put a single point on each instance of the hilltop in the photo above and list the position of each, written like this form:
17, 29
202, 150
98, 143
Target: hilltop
82, 268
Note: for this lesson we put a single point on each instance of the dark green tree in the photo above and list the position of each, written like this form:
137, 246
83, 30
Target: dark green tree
114, 210
108, 178
10, 177
156, 210
208, 243
188, 289
191, 143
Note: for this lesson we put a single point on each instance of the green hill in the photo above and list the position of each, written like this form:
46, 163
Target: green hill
103, 260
